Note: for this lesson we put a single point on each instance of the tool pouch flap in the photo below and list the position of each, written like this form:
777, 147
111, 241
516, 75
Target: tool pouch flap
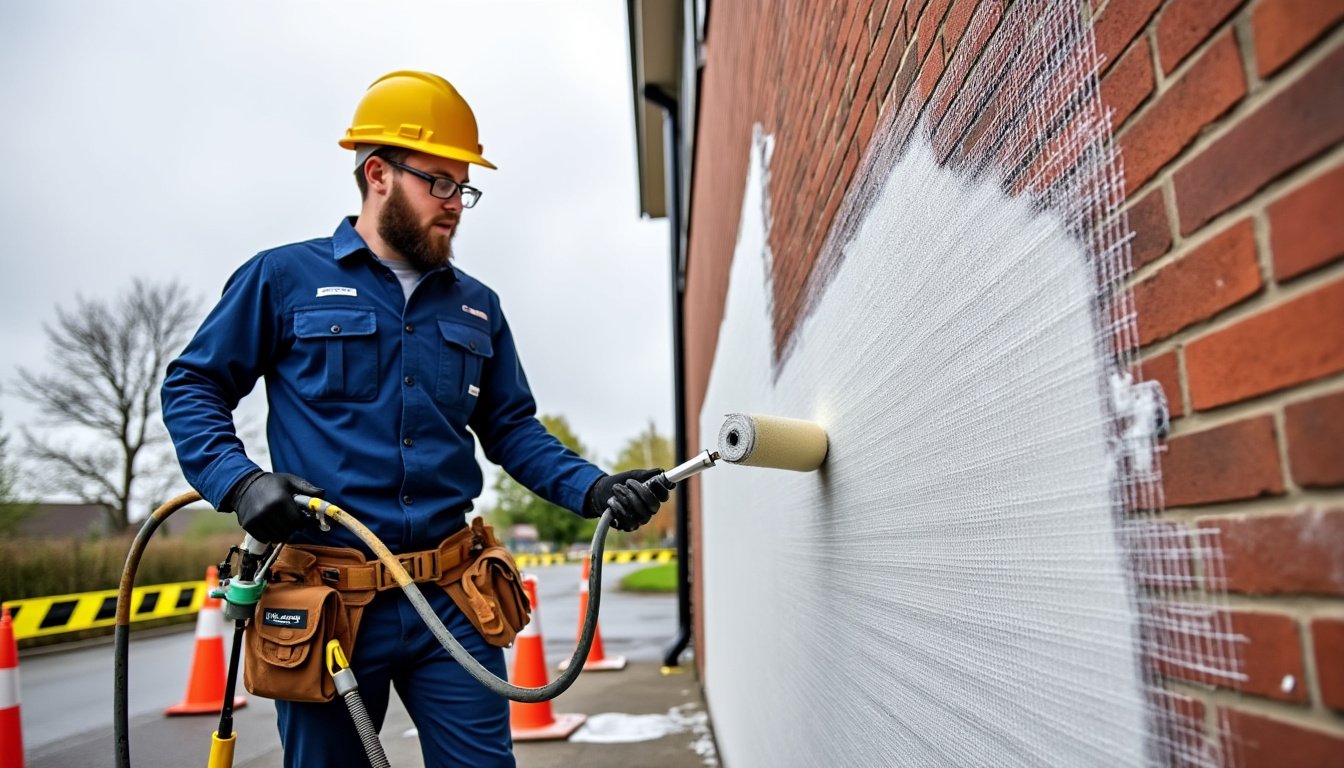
490, 592
285, 642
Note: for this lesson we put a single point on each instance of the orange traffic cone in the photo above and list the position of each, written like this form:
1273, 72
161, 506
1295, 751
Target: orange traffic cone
534, 722
597, 660
205, 687
11, 724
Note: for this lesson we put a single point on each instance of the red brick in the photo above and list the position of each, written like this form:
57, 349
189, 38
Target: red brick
898, 70
912, 13
1183, 718
1129, 83
1216, 275
875, 57
1152, 230
1252, 741
957, 19
1118, 24
1294, 126
1301, 553
1234, 461
1212, 86
1327, 644
1269, 659
1184, 24
1165, 370
1315, 432
929, 73
1289, 344
1304, 226
929, 23
1284, 27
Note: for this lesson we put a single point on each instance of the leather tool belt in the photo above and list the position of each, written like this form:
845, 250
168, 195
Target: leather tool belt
319, 593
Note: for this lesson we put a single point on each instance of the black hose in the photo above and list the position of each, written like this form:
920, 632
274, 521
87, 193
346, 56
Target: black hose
122, 633
484, 676
462, 655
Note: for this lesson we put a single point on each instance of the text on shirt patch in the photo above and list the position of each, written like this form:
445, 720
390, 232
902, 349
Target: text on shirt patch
336, 290
476, 312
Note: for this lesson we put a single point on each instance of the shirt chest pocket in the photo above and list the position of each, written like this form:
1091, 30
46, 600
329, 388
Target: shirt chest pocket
337, 353
462, 356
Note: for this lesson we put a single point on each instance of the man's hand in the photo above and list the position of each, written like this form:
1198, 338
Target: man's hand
631, 500
264, 503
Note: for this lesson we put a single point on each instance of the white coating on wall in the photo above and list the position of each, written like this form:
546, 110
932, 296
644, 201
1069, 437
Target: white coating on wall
949, 589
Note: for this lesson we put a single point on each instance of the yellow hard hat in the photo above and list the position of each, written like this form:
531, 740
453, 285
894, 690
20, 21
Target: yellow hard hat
419, 111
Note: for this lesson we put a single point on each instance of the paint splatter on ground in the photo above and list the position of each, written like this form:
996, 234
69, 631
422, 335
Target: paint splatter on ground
620, 728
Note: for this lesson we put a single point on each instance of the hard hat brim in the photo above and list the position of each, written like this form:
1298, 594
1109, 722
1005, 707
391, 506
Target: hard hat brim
438, 150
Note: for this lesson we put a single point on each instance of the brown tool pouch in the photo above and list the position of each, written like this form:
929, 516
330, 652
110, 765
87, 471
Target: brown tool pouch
325, 590
287, 638
490, 590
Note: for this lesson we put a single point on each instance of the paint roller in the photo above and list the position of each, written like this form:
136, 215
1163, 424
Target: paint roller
754, 440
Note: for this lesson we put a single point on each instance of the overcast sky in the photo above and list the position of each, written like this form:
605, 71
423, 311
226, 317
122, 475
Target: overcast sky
176, 139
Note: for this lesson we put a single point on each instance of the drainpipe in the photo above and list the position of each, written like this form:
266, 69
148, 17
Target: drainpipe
672, 162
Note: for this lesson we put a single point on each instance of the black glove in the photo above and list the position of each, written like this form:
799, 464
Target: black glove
632, 501
264, 503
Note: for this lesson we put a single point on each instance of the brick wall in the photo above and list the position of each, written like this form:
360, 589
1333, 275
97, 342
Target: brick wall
1229, 115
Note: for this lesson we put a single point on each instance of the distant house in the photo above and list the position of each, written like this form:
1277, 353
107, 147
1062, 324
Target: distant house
53, 520
64, 521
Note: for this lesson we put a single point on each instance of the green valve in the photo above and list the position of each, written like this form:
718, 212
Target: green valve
242, 594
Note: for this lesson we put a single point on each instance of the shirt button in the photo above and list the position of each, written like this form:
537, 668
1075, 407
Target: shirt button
410, 381
408, 442
387, 276
473, 346
335, 329
410, 328
406, 499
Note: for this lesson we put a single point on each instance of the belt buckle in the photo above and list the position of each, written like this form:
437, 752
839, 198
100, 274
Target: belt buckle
420, 566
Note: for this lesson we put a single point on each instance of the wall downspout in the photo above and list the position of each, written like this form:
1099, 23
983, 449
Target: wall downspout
672, 160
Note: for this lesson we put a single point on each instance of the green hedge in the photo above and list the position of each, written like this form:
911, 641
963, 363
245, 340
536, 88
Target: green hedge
42, 567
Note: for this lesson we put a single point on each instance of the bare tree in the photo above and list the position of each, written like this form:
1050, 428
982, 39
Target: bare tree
12, 511
107, 361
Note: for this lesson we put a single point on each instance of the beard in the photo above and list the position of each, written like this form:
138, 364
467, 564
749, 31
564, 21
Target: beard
422, 246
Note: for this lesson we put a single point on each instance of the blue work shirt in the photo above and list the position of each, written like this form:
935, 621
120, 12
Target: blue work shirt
373, 397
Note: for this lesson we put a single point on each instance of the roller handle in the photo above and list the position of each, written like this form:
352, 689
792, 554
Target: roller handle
690, 469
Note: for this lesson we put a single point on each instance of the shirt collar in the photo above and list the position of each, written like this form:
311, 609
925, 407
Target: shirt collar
346, 241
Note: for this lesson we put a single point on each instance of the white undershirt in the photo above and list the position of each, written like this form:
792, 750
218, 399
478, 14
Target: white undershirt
407, 275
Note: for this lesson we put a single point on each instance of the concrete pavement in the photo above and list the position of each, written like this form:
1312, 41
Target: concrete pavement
640, 689
639, 716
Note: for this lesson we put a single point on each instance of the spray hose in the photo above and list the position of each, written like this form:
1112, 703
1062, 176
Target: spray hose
322, 509
485, 677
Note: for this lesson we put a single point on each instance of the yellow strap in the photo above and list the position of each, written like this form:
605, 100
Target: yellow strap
336, 660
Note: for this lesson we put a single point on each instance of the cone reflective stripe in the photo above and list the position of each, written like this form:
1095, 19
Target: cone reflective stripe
209, 664
535, 722
597, 660
11, 723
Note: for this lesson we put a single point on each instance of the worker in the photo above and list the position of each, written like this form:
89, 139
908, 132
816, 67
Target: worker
382, 359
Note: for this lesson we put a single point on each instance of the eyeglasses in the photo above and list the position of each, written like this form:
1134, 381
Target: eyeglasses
441, 187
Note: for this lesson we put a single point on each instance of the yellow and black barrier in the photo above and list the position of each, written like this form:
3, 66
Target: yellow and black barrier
42, 616
527, 560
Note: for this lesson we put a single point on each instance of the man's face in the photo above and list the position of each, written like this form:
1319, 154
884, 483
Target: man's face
414, 222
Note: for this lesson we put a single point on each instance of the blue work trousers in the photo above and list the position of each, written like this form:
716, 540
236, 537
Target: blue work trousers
460, 722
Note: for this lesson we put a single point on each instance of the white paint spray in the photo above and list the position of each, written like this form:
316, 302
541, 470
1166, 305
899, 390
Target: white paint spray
916, 591
962, 583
